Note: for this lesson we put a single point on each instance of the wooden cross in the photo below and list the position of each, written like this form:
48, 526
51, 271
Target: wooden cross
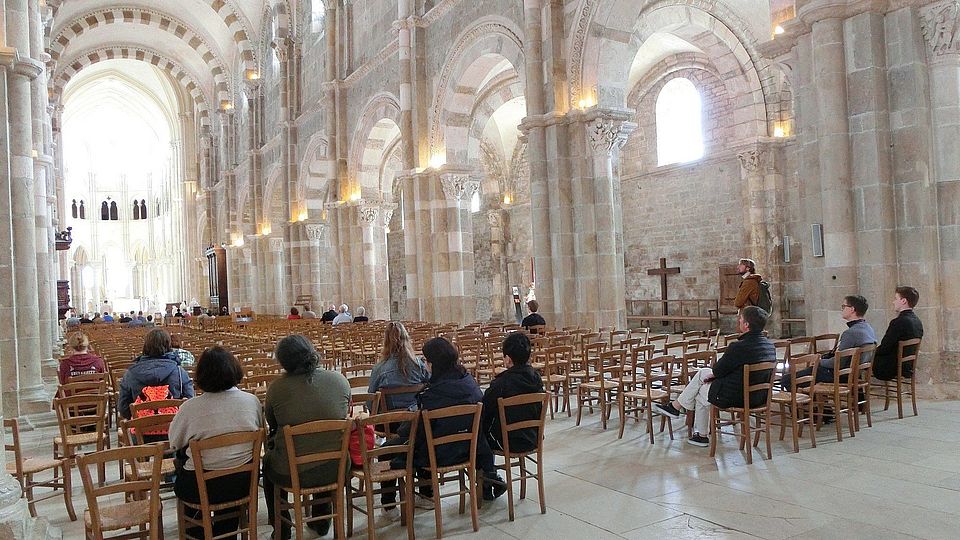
663, 271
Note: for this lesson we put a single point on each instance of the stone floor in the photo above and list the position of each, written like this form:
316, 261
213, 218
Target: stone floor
898, 479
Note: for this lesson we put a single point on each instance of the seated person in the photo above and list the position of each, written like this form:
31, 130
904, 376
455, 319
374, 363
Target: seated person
398, 367
905, 326
304, 393
308, 313
330, 314
124, 318
78, 360
184, 357
294, 314
155, 373
534, 318
361, 315
723, 385
71, 321
519, 378
449, 385
343, 315
858, 333
107, 317
86, 319
222, 408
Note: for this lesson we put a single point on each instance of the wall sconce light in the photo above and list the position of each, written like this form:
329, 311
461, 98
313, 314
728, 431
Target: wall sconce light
252, 75
438, 160
265, 229
356, 195
507, 199
304, 214
781, 129
238, 241
777, 30
226, 105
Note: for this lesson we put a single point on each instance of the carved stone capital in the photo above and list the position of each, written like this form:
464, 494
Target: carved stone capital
459, 186
387, 212
282, 47
276, 244
752, 161
607, 134
315, 231
938, 22
495, 218
368, 213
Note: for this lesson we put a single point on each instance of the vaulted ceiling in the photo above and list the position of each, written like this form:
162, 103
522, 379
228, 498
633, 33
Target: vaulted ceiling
203, 44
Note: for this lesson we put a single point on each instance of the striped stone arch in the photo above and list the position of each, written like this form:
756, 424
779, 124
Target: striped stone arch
503, 89
237, 25
234, 21
69, 70
153, 19
315, 173
475, 52
368, 148
679, 62
600, 63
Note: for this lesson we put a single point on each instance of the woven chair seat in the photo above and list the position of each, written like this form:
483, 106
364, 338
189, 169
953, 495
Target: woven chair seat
215, 507
638, 394
145, 468
452, 468
554, 379
381, 472
785, 397
605, 384
78, 439
33, 465
121, 516
824, 388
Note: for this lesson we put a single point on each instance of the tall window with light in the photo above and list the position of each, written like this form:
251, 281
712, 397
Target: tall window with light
317, 14
679, 123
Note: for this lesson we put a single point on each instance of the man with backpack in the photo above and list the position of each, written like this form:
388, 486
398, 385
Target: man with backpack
753, 290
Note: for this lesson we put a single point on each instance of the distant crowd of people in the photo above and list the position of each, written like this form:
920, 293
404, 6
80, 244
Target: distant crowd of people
334, 315
72, 320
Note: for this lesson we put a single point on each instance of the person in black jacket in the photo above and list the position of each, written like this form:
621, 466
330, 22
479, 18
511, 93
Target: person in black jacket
449, 385
534, 318
723, 385
905, 326
518, 379
330, 314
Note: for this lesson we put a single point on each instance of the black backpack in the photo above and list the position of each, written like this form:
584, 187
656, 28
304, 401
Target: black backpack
765, 299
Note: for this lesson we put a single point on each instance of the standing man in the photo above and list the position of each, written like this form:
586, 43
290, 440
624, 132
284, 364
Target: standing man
905, 326
749, 292
723, 385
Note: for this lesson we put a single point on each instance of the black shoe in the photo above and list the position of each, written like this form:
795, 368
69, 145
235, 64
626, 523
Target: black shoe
493, 488
667, 409
321, 527
698, 440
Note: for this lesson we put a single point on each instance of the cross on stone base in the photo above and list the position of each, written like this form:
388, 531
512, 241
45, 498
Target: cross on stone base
663, 271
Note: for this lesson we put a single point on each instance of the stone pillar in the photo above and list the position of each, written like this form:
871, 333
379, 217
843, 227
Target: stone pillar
405, 26
22, 202
598, 236
314, 233
8, 312
839, 274
279, 302
498, 304
457, 282
374, 255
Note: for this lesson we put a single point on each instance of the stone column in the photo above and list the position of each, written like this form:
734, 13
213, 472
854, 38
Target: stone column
498, 304
455, 294
374, 249
839, 235
22, 202
314, 233
598, 240
404, 26
8, 312
278, 303
933, 211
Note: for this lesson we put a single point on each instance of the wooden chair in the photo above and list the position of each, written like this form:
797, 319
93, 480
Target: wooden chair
650, 387
464, 472
602, 386
140, 505
825, 343
837, 393
862, 376
746, 413
144, 430
895, 387
302, 495
82, 422
376, 468
794, 401
519, 459
243, 508
366, 401
23, 470
556, 378
659, 341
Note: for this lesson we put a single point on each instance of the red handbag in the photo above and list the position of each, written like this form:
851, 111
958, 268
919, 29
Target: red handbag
356, 456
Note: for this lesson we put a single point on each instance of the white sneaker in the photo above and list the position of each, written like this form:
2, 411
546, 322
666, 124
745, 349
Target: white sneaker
391, 512
422, 502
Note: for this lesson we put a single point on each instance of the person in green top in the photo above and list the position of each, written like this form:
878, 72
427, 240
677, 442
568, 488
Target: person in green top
304, 393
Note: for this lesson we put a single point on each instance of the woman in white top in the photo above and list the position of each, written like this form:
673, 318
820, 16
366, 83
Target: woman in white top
222, 408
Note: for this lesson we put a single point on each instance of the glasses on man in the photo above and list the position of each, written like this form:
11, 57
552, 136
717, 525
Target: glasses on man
845, 306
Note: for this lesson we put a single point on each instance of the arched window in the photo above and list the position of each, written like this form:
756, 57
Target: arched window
136, 209
317, 15
475, 202
73, 209
104, 211
83, 211
114, 213
143, 209
679, 123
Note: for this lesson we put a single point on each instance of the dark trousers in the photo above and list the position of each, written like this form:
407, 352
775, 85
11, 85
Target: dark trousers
824, 375
219, 490
268, 489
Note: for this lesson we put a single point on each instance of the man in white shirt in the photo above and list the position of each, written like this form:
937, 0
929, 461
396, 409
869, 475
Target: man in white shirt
344, 315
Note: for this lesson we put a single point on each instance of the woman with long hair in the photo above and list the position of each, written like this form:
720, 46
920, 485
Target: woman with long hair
79, 360
398, 367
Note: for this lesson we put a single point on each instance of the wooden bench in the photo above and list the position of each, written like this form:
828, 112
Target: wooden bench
679, 311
